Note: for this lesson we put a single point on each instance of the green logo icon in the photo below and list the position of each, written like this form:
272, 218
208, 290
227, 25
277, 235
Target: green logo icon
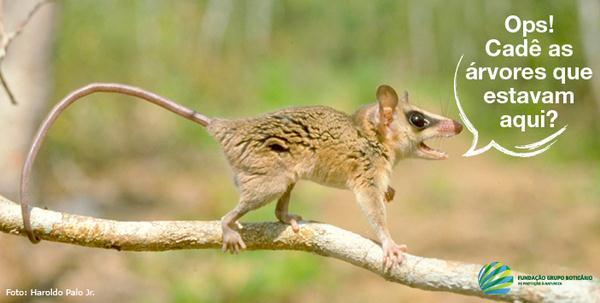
495, 279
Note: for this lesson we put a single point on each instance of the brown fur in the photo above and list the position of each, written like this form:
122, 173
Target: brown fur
315, 143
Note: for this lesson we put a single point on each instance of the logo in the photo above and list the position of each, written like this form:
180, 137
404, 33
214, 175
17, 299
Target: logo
495, 279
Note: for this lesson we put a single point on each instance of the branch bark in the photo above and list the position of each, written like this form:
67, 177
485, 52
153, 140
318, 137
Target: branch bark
322, 239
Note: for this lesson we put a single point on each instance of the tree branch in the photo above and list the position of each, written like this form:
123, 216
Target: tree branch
322, 239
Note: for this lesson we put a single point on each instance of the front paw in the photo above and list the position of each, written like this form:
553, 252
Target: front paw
392, 254
232, 242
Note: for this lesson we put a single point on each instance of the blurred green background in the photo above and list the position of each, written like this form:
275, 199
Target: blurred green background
115, 157
246, 57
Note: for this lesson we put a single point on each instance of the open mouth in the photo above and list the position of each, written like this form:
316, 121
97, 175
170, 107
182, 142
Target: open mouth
445, 128
430, 153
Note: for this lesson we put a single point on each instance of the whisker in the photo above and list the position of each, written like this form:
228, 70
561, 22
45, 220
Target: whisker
444, 106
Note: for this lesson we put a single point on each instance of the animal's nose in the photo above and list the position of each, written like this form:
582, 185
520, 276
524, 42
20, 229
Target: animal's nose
457, 127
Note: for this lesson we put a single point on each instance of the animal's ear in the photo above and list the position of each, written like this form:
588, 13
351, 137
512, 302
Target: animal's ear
387, 100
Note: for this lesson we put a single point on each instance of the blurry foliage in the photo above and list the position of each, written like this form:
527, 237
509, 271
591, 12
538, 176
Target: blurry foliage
252, 278
316, 53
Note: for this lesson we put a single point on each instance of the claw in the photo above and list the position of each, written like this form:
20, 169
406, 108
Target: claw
295, 226
294, 219
291, 220
232, 242
392, 254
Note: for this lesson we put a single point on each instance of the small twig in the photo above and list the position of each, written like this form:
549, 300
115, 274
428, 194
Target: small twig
9, 93
6, 40
10, 36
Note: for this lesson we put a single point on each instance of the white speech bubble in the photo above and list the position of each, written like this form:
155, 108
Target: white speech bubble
534, 148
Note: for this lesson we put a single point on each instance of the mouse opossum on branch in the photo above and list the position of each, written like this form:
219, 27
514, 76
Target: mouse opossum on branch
270, 153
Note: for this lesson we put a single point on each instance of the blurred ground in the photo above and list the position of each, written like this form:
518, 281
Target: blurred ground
115, 158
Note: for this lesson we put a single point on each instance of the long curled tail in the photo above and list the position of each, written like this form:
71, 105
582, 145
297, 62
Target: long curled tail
70, 99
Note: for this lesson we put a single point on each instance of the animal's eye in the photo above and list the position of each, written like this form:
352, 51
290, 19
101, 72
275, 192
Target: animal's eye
418, 120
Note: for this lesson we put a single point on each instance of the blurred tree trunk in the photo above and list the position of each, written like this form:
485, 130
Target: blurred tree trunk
214, 24
26, 68
258, 28
589, 23
422, 38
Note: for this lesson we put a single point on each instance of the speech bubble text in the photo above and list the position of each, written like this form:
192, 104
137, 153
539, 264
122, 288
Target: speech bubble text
546, 117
